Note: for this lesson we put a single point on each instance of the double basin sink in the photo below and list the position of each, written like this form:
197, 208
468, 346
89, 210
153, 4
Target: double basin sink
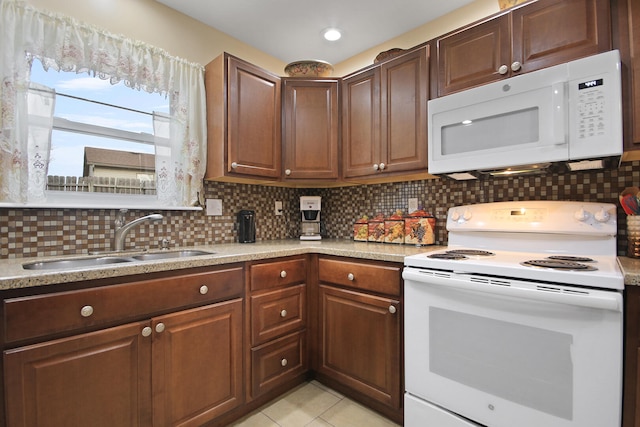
67, 264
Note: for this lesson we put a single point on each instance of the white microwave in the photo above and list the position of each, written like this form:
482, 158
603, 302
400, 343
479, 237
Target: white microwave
569, 114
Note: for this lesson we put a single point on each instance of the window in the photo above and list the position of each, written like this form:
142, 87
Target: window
103, 134
160, 135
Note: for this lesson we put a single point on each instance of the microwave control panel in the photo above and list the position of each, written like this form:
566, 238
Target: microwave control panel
591, 109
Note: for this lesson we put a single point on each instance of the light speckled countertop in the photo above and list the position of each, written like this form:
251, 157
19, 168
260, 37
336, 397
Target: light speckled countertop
14, 276
630, 270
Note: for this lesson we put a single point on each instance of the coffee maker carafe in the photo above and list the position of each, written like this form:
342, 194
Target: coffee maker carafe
310, 211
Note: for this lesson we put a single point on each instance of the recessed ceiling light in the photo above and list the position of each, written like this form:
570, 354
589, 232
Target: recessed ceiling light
332, 34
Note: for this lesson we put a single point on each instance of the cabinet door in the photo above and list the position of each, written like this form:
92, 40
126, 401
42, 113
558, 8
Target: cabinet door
360, 343
551, 32
361, 123
473, 56
253, 121
310, 141
404, 93
197, 364
99, 379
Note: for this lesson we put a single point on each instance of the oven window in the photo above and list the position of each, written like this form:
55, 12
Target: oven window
526, 365
514, 128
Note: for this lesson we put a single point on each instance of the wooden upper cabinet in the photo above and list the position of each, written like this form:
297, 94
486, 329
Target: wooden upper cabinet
310, 129
384, 115
471, 57
243, 121
530, 37
404, 94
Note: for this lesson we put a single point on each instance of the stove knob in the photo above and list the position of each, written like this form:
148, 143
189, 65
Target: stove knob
455, 216
602, 215
581, 215
467, 215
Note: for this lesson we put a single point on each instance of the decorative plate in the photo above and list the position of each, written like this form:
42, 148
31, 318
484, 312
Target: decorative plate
309, 68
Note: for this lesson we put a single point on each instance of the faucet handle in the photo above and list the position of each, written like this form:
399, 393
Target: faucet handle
164, 243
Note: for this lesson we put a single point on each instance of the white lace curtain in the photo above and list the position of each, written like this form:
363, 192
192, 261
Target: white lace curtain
65, 44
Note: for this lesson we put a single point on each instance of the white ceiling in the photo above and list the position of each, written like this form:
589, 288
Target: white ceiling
291, 30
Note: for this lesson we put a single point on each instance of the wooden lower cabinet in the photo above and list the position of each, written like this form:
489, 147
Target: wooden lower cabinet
360, 333
277, 339
100, 379
631, 391
197, 364
181, 369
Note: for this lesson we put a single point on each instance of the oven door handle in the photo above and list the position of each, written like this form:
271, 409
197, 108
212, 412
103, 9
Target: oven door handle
604, 300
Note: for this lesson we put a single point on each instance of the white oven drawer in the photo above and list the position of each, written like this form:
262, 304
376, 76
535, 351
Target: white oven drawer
419, 413
507, 359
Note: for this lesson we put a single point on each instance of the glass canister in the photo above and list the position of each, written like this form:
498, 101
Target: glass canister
633, 236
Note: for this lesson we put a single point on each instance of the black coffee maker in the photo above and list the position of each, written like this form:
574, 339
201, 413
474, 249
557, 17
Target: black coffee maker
247, 226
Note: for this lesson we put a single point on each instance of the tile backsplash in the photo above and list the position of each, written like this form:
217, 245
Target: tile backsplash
51, 232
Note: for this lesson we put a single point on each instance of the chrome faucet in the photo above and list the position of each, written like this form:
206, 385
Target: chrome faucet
123, 229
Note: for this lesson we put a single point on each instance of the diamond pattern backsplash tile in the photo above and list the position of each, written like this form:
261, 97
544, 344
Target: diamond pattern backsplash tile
51, 232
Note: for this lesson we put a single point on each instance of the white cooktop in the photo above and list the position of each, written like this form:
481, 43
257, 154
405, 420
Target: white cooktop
533, 230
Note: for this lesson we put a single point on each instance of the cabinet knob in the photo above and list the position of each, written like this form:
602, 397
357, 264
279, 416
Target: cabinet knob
86, 311
376, 167
350, 276
283, 274
283, 313
284, 362
146, 331
516, 66
392, 309
204, 289
160, 327
234, 165
503, 69
287, 172
382, 166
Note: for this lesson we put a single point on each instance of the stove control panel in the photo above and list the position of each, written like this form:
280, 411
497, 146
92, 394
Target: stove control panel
536, 216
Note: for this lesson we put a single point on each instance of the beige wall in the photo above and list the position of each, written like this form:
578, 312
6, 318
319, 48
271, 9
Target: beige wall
156, 24
160, 26
465, 15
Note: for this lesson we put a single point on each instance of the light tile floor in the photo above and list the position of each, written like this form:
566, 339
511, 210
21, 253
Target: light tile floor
313, 405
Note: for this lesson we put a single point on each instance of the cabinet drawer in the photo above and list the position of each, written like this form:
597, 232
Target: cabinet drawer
278, 362
360, 275
276, 274
277, 313
41, 315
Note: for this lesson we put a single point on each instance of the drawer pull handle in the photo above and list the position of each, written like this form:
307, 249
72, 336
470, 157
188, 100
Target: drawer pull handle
160, 327
351, 277
86, 311
283, 313
283, 274
284, 362
204, 289
392, 309
146, 331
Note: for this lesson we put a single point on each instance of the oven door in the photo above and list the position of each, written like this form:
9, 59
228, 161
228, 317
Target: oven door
504, 352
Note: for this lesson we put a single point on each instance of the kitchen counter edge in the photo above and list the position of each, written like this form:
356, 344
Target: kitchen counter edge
14, 276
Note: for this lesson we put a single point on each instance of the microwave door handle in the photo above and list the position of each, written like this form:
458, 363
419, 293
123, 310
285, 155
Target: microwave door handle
559, 113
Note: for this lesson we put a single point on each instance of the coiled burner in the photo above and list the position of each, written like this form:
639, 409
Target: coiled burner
471, 252
458, 254
570, 258
558, 264
447, 255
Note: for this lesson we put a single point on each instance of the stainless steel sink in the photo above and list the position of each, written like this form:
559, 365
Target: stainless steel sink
67, 264
170, 254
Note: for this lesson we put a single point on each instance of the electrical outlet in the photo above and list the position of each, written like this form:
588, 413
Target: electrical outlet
278, 207
214, 207
413, 205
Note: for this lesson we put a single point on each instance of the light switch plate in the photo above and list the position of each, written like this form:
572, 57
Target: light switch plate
278, 207
413, 205
214, 207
